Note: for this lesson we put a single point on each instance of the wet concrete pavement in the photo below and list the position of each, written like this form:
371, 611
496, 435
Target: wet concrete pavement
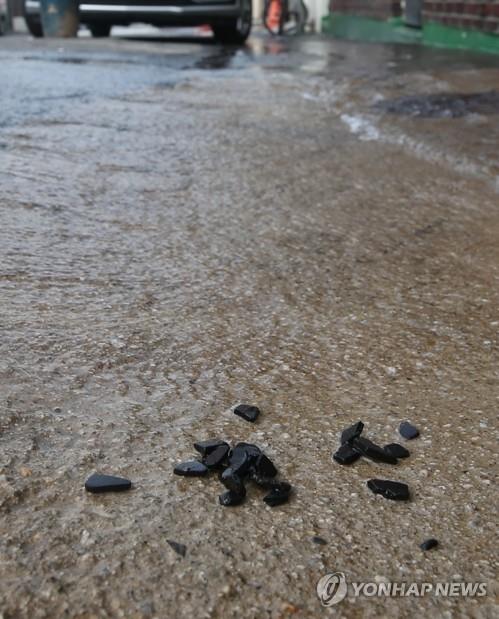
186, 227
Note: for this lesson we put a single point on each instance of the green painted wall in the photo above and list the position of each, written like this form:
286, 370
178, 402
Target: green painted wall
358, 28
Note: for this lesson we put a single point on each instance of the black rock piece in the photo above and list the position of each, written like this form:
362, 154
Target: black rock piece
408, 431
247, 411
260, 480
243, 457
193, 468
394, 490
107, 483
230, 498
352, 432
346, 454
428, 544
252, 450
264, 467
396, 450
319, 540
369, 450
217, 457
232, 481
206, 447
278, 494
180, 549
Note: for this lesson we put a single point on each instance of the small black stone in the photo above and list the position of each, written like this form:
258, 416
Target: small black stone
369, 450
247, 411
231, 498
346, 454
206, 447
243, 457
232, 481
107, 483
193, 468
352, 432
180, 549
396, 450
217, 457
408, 431
260, 480
319, 540
428, 544
264, 467
278, 494
394, 490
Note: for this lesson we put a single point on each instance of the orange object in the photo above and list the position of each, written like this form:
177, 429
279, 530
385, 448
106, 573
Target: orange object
274, 15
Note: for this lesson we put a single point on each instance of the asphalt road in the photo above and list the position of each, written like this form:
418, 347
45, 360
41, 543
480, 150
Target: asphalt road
310, 226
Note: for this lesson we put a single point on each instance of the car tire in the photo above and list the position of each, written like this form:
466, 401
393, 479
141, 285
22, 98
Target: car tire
100, 30
237, 31
34, 25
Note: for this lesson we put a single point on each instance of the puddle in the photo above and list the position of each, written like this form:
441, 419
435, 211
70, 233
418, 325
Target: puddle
443, 105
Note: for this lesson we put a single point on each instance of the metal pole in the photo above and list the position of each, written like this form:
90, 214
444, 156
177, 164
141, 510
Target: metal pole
59, 18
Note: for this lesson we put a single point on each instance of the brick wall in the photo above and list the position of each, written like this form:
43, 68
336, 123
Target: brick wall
378, 9
469, 14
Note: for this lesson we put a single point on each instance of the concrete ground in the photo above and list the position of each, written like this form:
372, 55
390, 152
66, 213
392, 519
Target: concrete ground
186, 227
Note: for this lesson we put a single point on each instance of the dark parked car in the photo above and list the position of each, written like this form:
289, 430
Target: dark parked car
230, 20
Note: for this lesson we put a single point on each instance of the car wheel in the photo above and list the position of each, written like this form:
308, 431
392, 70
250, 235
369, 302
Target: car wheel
237, 31
99, 30
33, 23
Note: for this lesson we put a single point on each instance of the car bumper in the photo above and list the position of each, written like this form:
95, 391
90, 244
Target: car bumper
128, 13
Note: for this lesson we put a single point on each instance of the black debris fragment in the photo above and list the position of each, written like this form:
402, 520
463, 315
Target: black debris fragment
107, 483
232, 481
396, 450
244, 462
346, 454
217, 457
192, 468
394, 490
408, 431
278, 494
230, 498
370, 450
206, 447
352, 432
264, 467
319, 540
180, 549
247, 412
260, 480
428, 544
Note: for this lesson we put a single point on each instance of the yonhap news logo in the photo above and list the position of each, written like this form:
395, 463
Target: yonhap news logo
333, 588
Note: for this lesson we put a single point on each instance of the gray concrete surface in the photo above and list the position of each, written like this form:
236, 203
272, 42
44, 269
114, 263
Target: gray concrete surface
185, 227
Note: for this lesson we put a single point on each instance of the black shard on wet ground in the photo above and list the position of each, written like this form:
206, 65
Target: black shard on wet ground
247, 412
206, 447
370, 450
217, 458
180, 549
319, 540
352, 432
396, 450
428, 544
260, 480
231, 498
264, 467
107, 483
394, 490
408, 431
346, 454
232, 481
192, 468
278, 494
